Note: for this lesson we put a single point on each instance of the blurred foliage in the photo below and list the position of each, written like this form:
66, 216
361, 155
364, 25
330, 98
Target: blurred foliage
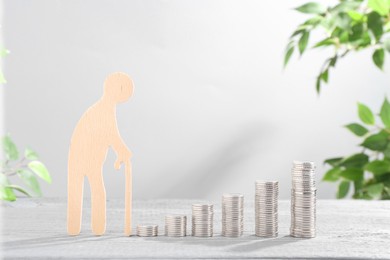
26, 167
350, 25
3, 52
368, 171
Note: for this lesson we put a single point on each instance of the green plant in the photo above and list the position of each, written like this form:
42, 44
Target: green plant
26, 168
3, 52
369, 170
351, 25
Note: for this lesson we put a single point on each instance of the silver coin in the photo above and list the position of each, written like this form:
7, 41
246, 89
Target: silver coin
175, 225
303, 199
232, 215
304, 163
147, 230
266, 209
202, 220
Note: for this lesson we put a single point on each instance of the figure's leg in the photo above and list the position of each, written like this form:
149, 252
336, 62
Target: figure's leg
98, 203
75, 200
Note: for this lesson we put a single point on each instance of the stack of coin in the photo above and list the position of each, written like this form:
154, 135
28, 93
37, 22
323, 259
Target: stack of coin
147, 230
202, 220
175, 225
303, 200
232, 215
266, 208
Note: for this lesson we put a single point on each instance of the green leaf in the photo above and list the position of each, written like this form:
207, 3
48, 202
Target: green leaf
343, 21
333, 61
344, 37
3, 52
325, 75
376, 142
20, 189
375, 24
358, 186
386, 152
363, 42
362, 196
356, 16
375, 190
39, 169
356, 32
302, 43
336, 32
343, 189
383, 178
5, 192
325, 42
357, 129
378, 167
297, 32
329, 23
380, 6
354, 161
386, 44
334, 162
289, 52
311, 8
385, 113
316, 20
352, 174
11, 152
30, 180
365, 114
332, 175
379, 57
345, 6
318, 84
30, 154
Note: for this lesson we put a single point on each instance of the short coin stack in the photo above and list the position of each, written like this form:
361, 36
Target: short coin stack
232, 215
176, 225
147, 230
266, 208
202, 220
303, 200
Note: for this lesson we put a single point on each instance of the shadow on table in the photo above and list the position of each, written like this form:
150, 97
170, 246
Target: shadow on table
240, 244
57, 240
262, 243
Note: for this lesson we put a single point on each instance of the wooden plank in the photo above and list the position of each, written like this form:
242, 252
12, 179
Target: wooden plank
346, 229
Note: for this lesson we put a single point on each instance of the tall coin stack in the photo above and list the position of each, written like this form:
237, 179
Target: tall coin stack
232, 215
202, 220
175, 225
147, 230
303, 200
266, 208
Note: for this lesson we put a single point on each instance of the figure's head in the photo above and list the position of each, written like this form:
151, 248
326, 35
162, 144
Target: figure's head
118, 87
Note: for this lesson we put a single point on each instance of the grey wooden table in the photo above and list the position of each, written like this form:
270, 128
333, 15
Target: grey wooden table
36, 229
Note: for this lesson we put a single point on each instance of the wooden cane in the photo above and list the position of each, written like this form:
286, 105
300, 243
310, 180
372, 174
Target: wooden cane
128, 198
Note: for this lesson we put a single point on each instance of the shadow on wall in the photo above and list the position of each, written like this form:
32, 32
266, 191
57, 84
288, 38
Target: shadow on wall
220, 164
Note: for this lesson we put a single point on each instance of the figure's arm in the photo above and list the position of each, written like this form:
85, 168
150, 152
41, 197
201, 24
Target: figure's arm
122, 152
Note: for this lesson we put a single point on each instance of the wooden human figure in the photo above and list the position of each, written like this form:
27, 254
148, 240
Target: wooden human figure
96, 131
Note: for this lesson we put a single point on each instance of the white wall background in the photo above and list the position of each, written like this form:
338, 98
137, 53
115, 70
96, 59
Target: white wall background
212, 111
